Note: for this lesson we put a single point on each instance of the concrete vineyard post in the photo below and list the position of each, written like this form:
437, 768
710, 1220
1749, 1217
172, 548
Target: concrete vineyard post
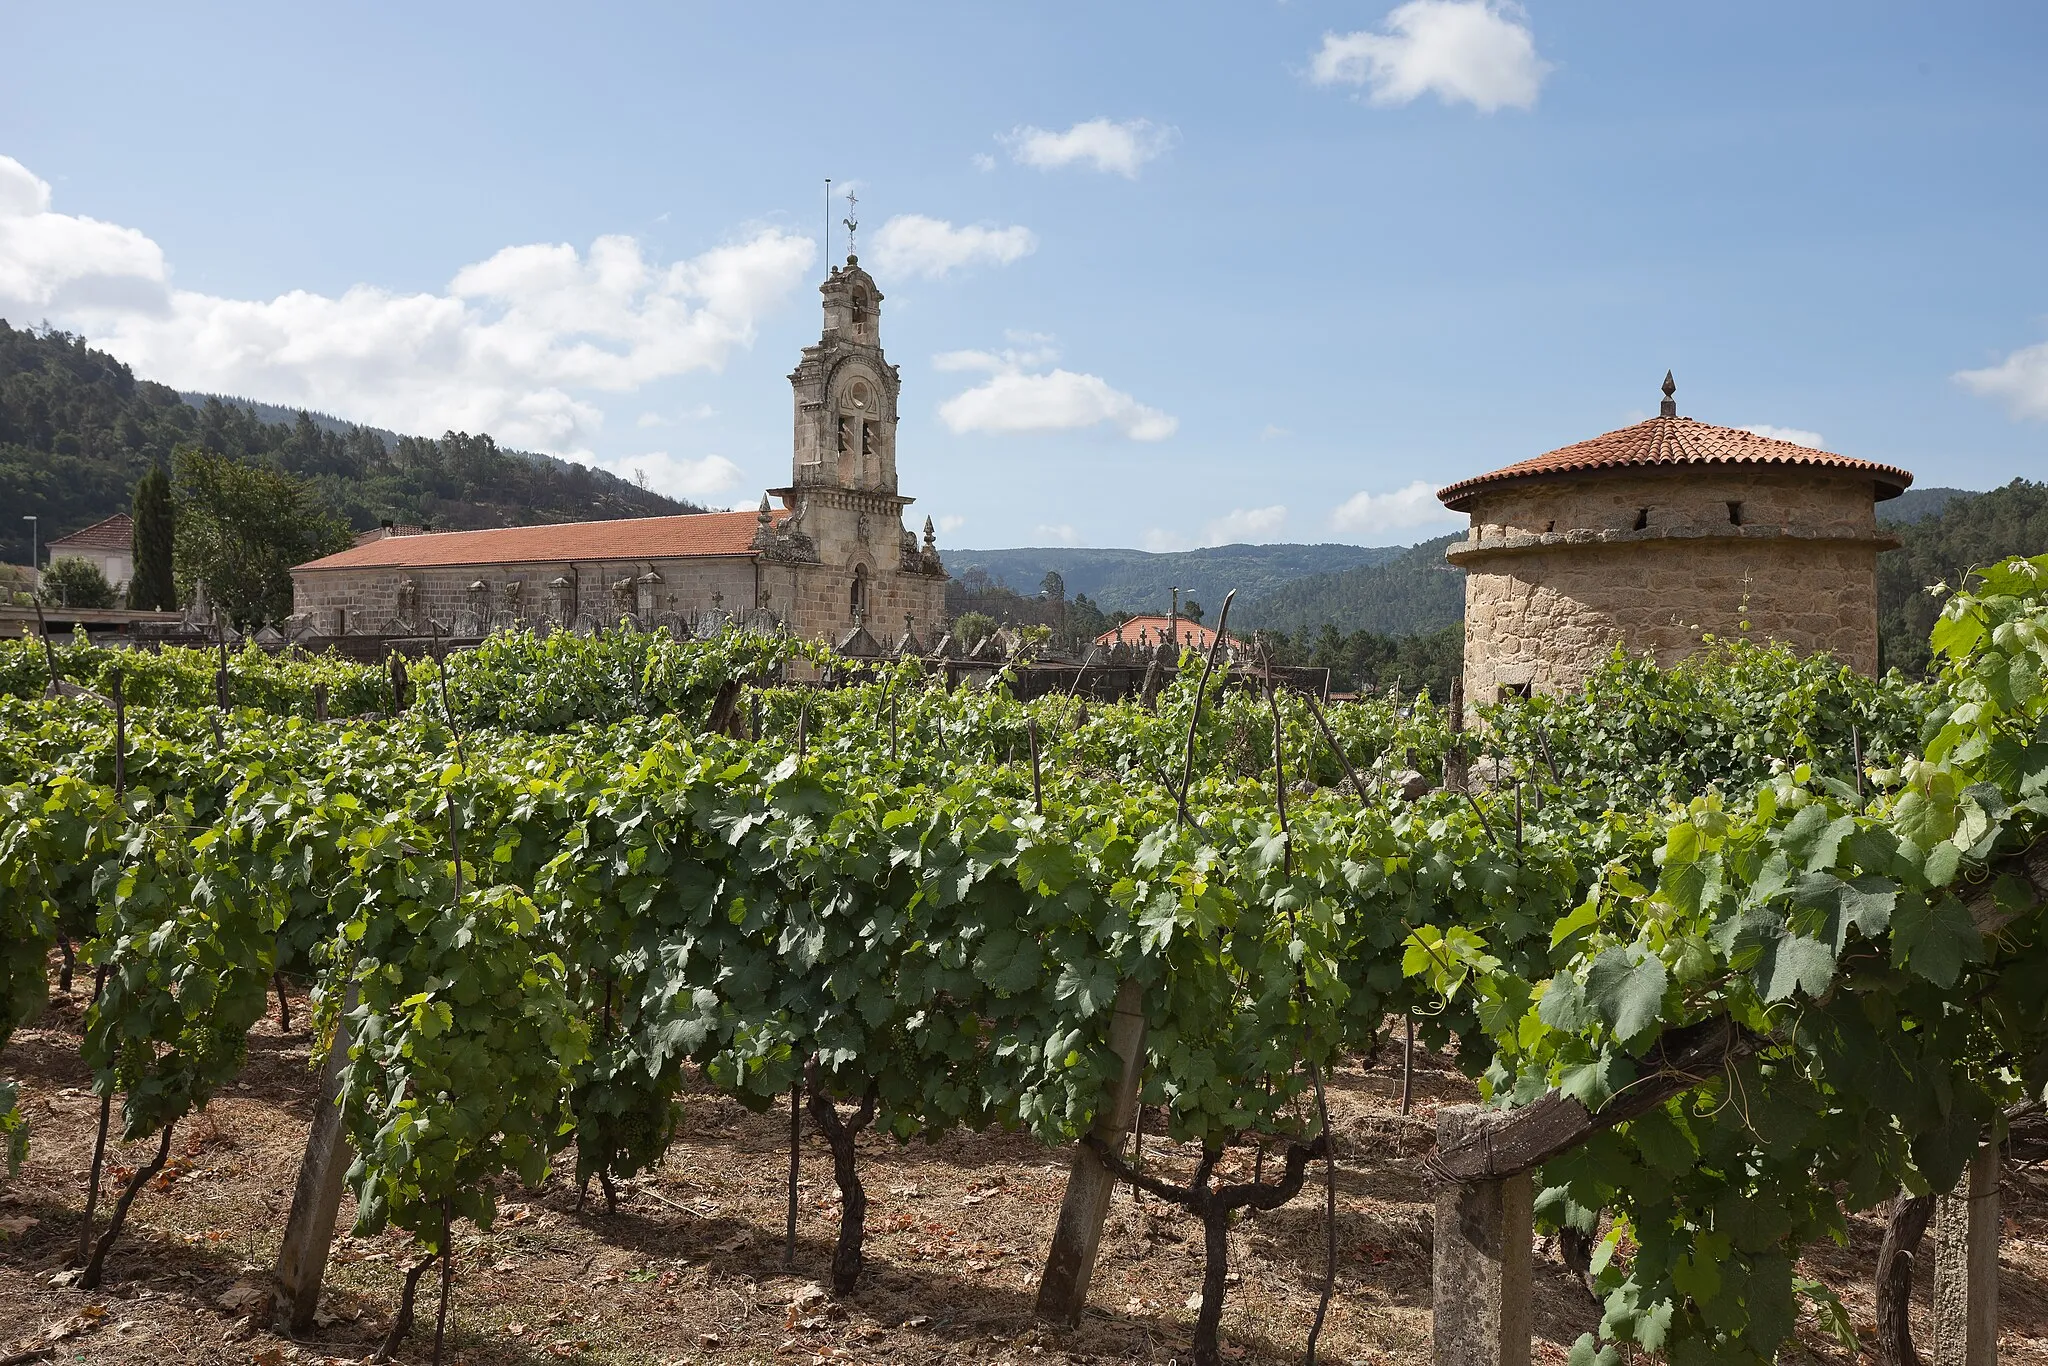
1070, 1263
309, 1230
1480, 1276
1966, 1266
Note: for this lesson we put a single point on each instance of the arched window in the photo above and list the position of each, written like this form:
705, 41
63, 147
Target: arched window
862, 314
858, 429
858, 598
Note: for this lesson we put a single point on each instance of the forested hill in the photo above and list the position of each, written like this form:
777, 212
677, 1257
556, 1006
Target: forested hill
78, 429
1970, 529
1405, 593
1140, 581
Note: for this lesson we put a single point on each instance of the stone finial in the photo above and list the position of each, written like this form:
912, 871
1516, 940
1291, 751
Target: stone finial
1669, 407
765, 516
930, 537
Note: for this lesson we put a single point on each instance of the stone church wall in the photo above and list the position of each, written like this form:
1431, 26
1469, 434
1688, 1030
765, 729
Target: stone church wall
368, 600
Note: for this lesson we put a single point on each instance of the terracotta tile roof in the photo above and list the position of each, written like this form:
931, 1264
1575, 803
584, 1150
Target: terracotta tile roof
630, 538
117, 533
1676, 441
1155, 629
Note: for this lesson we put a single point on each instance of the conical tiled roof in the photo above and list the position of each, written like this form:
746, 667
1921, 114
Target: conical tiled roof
1673, 440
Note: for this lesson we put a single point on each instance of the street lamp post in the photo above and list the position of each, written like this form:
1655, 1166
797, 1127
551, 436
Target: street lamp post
35, 570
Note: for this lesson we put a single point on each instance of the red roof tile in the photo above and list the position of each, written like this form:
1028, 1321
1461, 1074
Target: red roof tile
117, 533
1676, 441
1155, 628
631, 538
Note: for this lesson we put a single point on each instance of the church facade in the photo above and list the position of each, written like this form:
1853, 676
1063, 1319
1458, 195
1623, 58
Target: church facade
828, 557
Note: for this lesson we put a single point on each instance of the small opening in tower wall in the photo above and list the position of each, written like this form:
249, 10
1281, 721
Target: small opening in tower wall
1734, 514
1513, 690
1642, 519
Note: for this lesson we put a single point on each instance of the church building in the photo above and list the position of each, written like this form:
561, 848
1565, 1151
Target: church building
833, 558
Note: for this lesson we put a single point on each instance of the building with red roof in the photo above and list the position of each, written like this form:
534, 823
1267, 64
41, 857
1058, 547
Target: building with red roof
833, 558
110, 544
1156, 629
1658, 535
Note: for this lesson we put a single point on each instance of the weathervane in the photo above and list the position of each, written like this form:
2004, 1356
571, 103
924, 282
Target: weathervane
852, 224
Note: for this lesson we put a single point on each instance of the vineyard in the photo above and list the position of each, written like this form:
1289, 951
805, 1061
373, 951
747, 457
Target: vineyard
1770, 932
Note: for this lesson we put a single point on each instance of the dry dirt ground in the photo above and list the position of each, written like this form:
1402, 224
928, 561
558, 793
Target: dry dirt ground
689, 1270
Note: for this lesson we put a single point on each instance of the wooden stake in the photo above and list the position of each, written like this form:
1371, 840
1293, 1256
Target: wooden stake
1037, 795
49, 652
1187, 763
99, 1147
447, 1276
796, 1138
1856, 753
1408, 1068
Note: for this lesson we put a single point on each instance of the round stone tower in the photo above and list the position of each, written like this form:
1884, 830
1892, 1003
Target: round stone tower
1649, 536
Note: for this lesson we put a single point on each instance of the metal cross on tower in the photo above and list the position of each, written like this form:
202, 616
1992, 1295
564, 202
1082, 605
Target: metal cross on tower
852, 223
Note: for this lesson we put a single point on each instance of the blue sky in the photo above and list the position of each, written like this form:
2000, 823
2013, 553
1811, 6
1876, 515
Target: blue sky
1156, 274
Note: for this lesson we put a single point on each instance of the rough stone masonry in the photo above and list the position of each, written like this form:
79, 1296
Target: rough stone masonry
1659, 537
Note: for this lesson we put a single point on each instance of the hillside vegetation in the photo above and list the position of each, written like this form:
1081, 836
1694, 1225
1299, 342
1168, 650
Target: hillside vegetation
1969, 530
1407, 592
1137, 581
78, 429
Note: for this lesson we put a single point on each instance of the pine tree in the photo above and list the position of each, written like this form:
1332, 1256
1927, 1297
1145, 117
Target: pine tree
149, 587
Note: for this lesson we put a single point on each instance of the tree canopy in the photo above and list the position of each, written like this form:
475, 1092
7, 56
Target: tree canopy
74, 582
241, 528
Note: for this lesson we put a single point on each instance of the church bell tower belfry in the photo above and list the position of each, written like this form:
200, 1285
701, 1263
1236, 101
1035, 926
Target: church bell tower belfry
865, 569
846, 392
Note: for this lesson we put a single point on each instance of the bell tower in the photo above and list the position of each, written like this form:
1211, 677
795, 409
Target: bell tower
845, 392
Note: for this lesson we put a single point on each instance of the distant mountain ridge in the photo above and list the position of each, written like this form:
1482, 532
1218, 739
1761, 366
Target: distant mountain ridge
1144, 580
1917, 505
276, 413
272, 414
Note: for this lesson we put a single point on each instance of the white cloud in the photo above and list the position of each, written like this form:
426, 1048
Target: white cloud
1273, 432
1034, 353
1246, 525
513, 346
695, 413
1370, 514
912, 244
1057, 400
1063, 534
1477, 51
699, 480
982, 161
1798, 436
52, 264
1013, 399
951, 523
1098, 143
2020, 382
1161, 542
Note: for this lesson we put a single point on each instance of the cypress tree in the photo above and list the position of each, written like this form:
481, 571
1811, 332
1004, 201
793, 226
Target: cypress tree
150, 588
